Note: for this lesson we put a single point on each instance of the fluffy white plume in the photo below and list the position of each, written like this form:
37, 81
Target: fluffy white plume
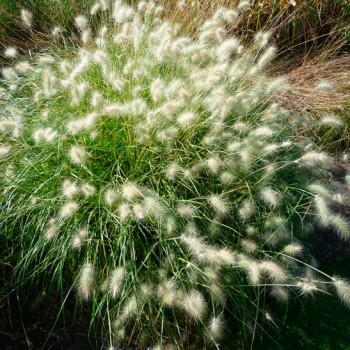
215, 328
80, 237
194, 304
4, 151
117, 281
68, 209
27, 18
77, 155
81, 22
69, 189
342, 288
219, 204
11, 52
86, 281
122, 13
270, 197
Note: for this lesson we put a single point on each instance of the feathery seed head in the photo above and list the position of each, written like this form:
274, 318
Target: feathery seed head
95, 8
342, 288
217, 293
104, 4
181, 5
168, 293
268, 55
227, 178
246, 210
130, 191
9, 74
186, 210
246, 158
262, 39
27, 18
4, 151
146, 291
154, 207
96, 99
293, 249
325, 86
81, 22
80, 237
251, 230
172, 171
341, 225
306, 287
87, 189
244, 4
262, 131
115, 110
315, 159
279, 293
69, 189
24, 67
322, 210
213, 164
77, 155
347, 177
194, 304
320, 190
56, 31
331, 121
139, 211
270, 197
68, 209
52, 230
273, 271
124, 211
157, 90
44, 135
171, 225
122, 13
86, 281
110, 196
220, 204
195, 245
186, 119
249, 246
251, 268
215, 328
117, 281
224, 256
10, 52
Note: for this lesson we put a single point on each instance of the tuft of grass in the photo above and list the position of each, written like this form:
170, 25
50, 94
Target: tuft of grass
154, 173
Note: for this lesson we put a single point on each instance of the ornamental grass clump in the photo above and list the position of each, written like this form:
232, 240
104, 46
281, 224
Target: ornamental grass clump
155, 175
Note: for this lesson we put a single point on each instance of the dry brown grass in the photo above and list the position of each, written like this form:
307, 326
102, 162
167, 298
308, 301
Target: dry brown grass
305, 77
294, 28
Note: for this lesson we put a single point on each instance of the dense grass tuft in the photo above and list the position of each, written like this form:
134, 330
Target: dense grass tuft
153, 172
